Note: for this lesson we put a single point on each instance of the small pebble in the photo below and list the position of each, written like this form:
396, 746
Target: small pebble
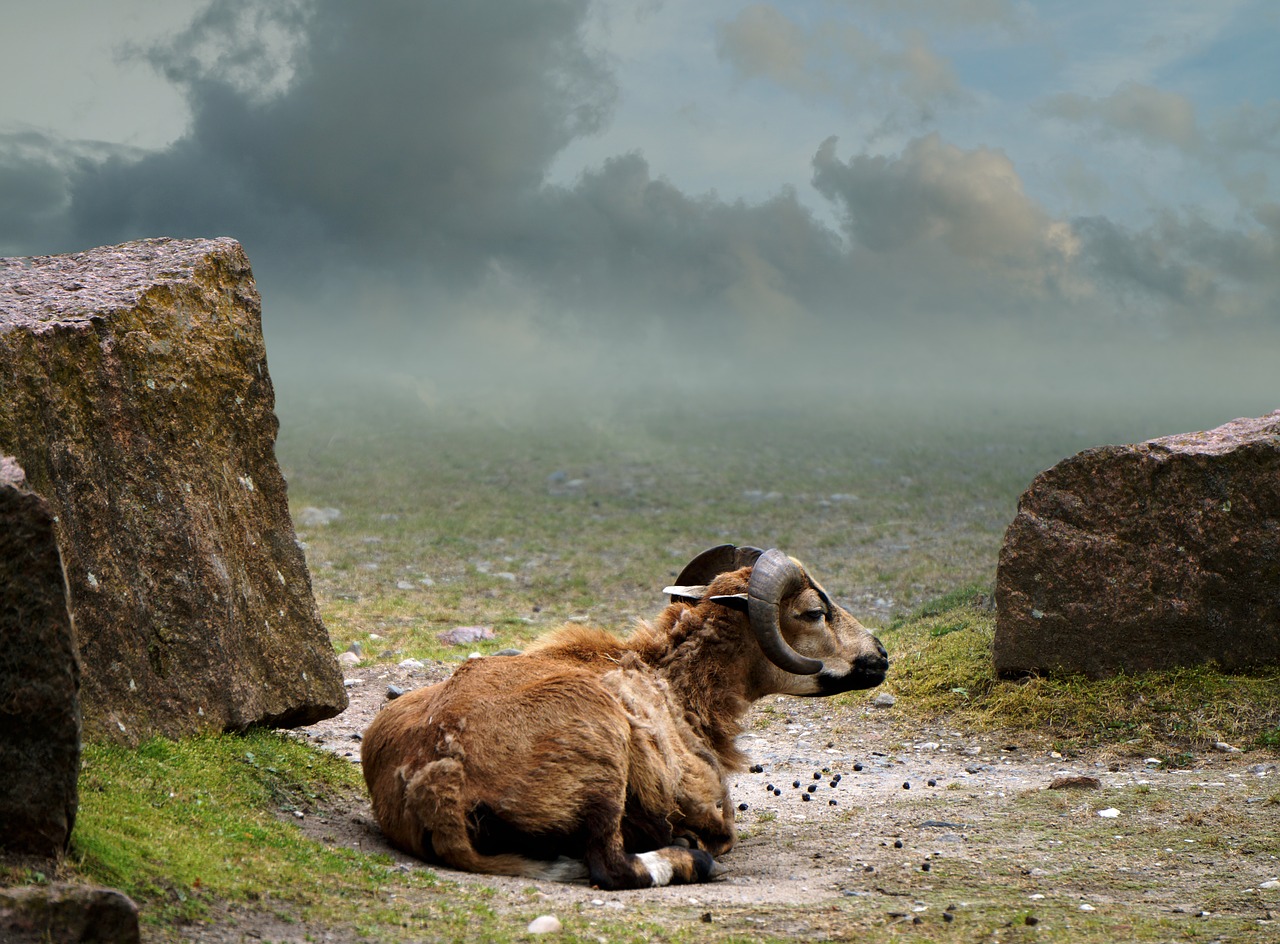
545, 924
394, 691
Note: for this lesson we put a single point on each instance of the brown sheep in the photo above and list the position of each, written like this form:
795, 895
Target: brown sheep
589, 756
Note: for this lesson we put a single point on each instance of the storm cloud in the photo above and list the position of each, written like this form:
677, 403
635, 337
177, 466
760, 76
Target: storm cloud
391, 165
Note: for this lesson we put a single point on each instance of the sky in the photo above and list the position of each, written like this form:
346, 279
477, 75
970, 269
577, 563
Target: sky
883, 197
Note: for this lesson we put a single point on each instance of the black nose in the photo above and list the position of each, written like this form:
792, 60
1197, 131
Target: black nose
872, 665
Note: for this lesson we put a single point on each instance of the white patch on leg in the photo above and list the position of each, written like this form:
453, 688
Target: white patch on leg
659, 868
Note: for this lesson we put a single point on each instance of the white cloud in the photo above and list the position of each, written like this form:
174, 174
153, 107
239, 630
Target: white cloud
836, 58
1151, 115
972, 202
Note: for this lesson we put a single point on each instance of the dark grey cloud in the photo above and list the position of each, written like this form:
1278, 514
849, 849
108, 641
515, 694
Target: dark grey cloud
1198, 272
384, 132
37, 176
386, 164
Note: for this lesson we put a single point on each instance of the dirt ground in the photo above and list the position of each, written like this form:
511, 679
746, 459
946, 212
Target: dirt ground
921, 825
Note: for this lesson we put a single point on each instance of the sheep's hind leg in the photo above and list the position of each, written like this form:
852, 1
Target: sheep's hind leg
610, 866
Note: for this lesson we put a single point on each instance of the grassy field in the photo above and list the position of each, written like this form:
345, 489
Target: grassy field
519, 518
419, 517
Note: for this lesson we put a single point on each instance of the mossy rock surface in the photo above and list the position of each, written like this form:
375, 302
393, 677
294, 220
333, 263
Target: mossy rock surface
137, 398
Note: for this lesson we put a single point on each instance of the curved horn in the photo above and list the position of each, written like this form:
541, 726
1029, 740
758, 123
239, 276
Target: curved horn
774, 576
713, 562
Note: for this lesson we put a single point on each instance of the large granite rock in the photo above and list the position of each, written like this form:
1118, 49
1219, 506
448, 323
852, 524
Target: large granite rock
136, 396
67, 914
39, 677
1148, 556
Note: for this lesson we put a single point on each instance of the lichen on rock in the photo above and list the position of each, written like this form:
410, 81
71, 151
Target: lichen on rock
1147, 556
137, 398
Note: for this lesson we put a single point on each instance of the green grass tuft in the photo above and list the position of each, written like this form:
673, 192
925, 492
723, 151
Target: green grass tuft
942, 666
179, 824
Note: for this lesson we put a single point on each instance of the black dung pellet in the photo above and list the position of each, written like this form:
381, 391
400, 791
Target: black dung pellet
897, 844
817, 775
834, 784
924, 867
948, 917
832, 803
757, 768
837, 778
769, 787
812, 787
857, 766
777, 793
795, 784
805, 797
906, 786
933, 783
742, 807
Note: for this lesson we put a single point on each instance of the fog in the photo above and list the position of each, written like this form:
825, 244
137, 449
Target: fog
397, 172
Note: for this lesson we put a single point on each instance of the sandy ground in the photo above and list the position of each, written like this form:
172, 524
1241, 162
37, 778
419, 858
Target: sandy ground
912, 806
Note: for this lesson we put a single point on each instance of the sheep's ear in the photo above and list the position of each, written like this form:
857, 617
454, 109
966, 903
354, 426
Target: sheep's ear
736, 601
687, 594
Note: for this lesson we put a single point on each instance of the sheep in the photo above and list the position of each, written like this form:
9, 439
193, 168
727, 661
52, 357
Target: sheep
589, 756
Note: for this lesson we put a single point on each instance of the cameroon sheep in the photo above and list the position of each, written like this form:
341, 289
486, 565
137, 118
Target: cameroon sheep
589, 756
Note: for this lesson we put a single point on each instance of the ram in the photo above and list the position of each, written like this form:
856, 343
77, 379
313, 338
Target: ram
589, 756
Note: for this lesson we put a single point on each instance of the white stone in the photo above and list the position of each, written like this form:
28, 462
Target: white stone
545, 924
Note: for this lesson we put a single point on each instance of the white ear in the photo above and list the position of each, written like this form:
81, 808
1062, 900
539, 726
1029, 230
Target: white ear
736, 601
691, 594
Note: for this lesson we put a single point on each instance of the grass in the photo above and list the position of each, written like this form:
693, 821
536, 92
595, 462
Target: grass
180, 825
192, 828
942, 667
519, 522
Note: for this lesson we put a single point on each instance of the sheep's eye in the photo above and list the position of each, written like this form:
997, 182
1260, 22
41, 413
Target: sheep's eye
815, 615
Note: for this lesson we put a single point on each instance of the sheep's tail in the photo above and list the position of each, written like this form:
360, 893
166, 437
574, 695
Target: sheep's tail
434, 797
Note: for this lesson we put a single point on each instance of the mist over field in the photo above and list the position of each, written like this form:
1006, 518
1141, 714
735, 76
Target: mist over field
919, 209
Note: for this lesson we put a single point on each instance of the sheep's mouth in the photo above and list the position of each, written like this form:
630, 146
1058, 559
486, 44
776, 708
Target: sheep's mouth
853, 681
